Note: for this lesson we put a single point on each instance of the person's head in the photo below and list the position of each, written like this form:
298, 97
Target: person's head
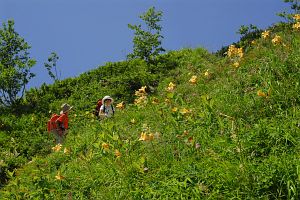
65, 108
107, 100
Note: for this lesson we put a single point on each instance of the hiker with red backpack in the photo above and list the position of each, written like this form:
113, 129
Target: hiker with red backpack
107, 109
58, 124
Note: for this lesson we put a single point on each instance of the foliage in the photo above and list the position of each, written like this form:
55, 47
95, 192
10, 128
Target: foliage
248, 35
147, 43
15, 65
51, 65
295, 6
192, 126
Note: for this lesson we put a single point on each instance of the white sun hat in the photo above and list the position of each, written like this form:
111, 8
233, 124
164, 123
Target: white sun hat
106, 98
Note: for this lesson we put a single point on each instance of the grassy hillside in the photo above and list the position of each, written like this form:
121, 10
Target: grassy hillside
204, 128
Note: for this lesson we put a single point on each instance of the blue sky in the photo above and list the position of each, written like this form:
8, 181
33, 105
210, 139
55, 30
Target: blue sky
89, 33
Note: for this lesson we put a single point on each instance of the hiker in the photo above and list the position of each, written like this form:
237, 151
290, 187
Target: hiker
106, 110
61, 124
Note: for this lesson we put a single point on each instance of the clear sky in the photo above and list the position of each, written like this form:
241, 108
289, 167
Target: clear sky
89, 33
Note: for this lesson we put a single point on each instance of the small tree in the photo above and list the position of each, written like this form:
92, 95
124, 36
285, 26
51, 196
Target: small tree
15, 65
51, 65
294, 5
147, 43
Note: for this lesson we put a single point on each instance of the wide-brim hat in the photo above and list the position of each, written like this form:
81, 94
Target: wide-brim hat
106, 98
65, 108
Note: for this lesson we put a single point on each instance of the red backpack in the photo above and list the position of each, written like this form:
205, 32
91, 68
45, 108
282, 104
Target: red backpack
52, 122
97, 109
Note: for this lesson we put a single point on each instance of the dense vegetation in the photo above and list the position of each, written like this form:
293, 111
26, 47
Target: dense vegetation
189, 125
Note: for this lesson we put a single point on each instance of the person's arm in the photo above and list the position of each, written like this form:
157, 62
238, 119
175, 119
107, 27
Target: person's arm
102, 110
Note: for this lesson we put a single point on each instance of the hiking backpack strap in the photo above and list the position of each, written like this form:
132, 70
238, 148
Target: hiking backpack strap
113, 109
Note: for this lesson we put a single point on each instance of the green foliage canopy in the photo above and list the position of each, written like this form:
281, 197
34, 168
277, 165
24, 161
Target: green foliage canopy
15, 64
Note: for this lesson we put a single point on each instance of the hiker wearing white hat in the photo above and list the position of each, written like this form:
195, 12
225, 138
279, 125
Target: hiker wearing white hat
107, 109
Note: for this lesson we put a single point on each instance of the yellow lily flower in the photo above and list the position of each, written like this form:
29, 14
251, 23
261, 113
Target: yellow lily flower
193, 80
174, 109
297, 17
231, 50
59, 177
151, 137
234, 51
57, 148
265, 34
276, 40
120, 106
240, 52
132, 121
141, 91
167, 101
184, 111
236, 64
155, 101
185, 132
118, 153
261, 94
171, 87
66, 150
296, 26
143, 137
140, 100
105, 146
206, 73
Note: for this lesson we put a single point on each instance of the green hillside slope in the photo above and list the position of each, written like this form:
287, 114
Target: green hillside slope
204, 128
